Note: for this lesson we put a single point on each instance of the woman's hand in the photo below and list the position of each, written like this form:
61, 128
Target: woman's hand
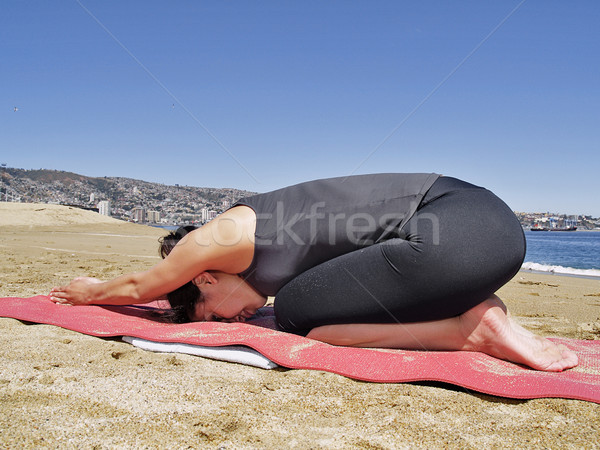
77, 292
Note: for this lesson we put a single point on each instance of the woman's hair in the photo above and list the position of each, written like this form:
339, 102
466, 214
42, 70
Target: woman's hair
184, 299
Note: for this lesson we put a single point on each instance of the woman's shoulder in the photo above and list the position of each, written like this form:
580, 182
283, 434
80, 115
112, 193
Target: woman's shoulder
240, 214
234, 227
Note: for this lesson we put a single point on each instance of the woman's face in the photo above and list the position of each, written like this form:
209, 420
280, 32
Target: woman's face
227, 298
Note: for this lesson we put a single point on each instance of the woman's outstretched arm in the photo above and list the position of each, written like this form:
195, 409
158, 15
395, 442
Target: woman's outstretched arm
225, 244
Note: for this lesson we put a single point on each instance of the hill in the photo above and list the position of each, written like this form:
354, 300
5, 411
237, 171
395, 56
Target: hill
176, 204
43, 214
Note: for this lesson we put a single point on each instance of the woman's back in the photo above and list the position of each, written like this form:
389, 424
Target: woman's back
301, 226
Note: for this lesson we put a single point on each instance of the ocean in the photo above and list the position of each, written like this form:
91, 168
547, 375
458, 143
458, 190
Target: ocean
566, 253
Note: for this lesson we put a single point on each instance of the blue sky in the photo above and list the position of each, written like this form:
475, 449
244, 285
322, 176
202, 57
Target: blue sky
259, 95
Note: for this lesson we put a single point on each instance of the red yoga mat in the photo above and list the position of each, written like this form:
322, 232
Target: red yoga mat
470, 370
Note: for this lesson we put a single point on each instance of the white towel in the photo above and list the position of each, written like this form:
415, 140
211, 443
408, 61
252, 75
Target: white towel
231, 353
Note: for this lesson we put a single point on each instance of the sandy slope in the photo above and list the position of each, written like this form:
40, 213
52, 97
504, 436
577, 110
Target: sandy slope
60, 388
41, 214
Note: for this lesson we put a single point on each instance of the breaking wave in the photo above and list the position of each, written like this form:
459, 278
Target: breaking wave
560, 270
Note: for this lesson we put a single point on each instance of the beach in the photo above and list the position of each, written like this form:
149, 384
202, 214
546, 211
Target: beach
59, 388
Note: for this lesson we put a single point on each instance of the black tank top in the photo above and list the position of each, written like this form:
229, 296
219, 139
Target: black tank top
301, 226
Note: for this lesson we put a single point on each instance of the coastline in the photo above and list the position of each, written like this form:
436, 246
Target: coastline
568, 271
579, 230
553, 274
61, 389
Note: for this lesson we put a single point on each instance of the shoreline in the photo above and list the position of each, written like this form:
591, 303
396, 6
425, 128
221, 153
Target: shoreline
593, 230
561, 274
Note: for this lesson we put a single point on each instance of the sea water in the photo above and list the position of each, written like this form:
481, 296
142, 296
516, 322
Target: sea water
563, 252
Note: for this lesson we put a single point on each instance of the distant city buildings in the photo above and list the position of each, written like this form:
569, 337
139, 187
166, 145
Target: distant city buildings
552, 220
103, 207
206, 215
138, 215
153, 216
143, 202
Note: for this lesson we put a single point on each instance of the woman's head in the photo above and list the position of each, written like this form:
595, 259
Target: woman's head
184, 299
225, 297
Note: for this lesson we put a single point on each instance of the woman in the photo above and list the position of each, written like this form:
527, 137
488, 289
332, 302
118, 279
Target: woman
387, 260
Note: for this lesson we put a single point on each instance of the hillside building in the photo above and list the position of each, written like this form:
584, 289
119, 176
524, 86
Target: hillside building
138, 215
153, 216
104, 207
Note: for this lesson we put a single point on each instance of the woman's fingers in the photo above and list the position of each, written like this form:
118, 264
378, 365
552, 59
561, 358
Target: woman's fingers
75, 293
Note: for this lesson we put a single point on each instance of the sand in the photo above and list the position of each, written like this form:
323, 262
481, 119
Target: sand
63, 389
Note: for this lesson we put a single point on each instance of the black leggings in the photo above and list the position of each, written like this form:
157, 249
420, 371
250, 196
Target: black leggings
462, 244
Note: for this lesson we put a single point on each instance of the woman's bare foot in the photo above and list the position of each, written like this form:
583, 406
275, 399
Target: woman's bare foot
488, 329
